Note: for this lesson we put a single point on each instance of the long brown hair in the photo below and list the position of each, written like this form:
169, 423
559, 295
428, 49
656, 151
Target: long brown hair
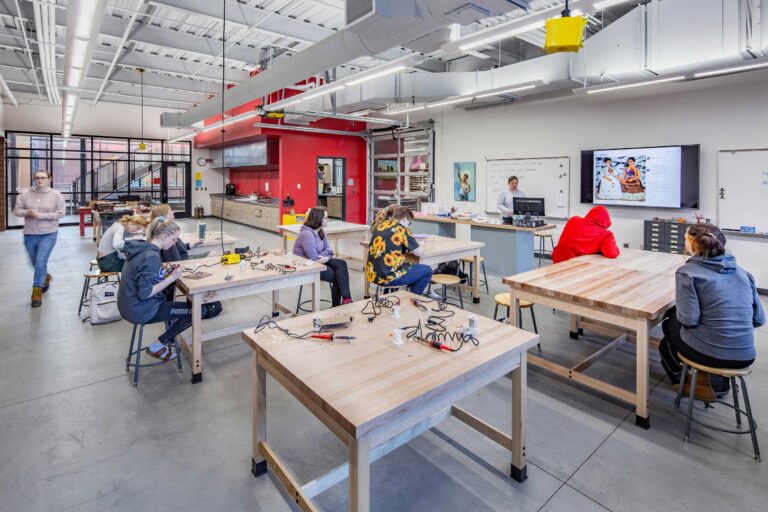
382, 215
707, 240
314, 220
138, 220
400, 213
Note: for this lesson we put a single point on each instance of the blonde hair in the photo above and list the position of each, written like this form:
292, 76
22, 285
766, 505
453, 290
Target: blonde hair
138, 220
161, 226
161, 210
383, 215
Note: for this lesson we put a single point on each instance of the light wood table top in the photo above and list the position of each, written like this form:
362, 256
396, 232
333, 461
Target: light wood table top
371, 381
212, 238
634, 284
440, 246
334, 226
470, 222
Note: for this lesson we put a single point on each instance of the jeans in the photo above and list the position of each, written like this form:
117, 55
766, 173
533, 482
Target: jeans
39, 248
111, 263
337, 274
417, 278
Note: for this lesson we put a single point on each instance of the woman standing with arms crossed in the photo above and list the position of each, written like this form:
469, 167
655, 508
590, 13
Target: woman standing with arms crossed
41, 207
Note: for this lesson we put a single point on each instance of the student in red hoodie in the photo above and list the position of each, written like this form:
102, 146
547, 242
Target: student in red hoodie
586, 235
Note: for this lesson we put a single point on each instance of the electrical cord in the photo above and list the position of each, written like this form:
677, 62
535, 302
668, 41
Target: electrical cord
283, 269
373, 308
203, 266
439, 339
267, 322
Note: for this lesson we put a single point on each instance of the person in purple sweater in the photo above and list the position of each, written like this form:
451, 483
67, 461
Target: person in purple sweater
313, 245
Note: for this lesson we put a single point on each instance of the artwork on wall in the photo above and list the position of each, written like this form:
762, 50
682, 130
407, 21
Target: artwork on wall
464, 181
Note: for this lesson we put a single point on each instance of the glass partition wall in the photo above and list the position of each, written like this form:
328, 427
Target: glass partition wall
104, 168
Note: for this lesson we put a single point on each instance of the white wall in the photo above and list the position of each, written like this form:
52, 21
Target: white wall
116, 120
723, 113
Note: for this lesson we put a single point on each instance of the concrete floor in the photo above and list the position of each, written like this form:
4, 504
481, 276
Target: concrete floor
75, 435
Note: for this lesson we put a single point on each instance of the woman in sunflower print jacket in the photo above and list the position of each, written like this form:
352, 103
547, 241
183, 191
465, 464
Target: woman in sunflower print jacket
391, 238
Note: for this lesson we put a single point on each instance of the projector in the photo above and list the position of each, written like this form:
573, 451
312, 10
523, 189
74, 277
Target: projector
564, 34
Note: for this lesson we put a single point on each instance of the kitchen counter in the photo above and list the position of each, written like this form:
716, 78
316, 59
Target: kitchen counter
257, 214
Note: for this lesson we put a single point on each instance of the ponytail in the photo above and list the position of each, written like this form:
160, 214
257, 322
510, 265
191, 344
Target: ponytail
383, 215
707, 240
161, 226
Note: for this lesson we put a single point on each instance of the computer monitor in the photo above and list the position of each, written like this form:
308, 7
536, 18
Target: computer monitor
531, 205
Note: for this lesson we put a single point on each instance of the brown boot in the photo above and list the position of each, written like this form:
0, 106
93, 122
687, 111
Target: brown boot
703, 391
37, 296
48, 279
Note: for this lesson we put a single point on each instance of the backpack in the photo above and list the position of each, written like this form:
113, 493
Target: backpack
452, 268
103, 304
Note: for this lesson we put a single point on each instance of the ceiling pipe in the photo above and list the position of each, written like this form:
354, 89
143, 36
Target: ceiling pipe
388, 25
23, 28
8, 92
40, 29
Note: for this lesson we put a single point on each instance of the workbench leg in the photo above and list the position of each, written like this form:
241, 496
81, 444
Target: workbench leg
285, 244
519, 386
642, 418
366, 284
514, 309
359, 475
574, 327
316, 294
197, 339
476, 279
275, 302
258, 463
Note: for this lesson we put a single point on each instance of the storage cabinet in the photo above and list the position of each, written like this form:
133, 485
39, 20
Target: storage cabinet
262, 217
663, 236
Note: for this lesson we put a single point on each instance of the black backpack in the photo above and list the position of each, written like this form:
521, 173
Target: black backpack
452, 268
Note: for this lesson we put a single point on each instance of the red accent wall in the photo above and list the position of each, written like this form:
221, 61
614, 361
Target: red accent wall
255, 182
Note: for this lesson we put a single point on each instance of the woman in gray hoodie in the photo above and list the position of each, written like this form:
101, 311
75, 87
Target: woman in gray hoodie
717, 307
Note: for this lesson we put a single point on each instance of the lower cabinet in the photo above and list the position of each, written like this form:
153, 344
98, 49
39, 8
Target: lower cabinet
263, 217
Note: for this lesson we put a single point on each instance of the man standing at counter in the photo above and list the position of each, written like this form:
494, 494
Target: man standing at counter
507, 197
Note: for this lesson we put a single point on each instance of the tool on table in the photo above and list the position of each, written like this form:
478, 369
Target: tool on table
230, 259
330, 336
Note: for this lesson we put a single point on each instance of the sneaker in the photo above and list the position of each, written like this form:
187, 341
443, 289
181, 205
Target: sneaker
433, 295
346, 301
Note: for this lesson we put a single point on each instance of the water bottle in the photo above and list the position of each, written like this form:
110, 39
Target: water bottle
201, 230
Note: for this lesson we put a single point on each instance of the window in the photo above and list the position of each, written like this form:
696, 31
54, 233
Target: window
86, 168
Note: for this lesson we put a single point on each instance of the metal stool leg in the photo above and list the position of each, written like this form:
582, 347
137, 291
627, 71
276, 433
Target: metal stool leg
138, 358
496, 311
130, 350
178, 352
750, 418
519, 318
541, 249
82, 297
485, 277
683, 377
445, 293
461, 299
735, 390
298, 303
694, 375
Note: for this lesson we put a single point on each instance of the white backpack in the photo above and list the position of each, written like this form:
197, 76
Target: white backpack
104, 303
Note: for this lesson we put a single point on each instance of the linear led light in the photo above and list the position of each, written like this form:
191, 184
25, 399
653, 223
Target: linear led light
506, 91
637, 84
372, 76
502, 35
416, 141
69, 101
449, 102
291, 103
182, 137
323, 92
403, 111
607, 3
231, 120
361, 113
734, 69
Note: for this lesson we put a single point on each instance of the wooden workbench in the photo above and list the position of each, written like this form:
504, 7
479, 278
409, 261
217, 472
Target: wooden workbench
213, 239
439, 249
335, 231
376, 396
630, 293
241, 283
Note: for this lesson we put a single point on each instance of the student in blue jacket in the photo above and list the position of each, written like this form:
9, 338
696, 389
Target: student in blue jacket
717, 309
313, 245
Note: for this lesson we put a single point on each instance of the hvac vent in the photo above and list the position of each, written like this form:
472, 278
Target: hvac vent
357, 9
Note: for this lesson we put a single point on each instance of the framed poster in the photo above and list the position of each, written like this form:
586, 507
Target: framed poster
464, 181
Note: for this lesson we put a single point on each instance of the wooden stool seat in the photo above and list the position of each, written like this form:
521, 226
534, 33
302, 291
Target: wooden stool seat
546, 234
725, 372
505, 299
100, 274
446, 279
471, 259
93, 263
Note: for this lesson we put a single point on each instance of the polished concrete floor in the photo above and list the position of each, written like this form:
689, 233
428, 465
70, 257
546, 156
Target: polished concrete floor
75, 435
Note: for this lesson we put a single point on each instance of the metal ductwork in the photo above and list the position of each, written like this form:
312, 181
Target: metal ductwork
376, 26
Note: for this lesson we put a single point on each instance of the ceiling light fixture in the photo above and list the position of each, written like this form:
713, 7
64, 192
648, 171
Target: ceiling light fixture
379, 74
502, 35
291, 103
734, 69
636, 84
403, 111
449, 102
323, 91
505, 91
182, 137
142, 144
607, 3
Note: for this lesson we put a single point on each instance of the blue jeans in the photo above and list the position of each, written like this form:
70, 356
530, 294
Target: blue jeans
39, 248
417, 278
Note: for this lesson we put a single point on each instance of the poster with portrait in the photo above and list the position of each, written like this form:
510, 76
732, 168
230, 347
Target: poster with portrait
464, 181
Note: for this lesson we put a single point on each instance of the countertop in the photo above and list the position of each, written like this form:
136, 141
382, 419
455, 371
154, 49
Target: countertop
273, 203
435, 218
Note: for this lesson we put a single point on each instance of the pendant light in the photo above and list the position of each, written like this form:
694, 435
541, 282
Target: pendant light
142, 144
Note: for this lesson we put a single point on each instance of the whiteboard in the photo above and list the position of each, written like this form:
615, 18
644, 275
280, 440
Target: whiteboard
742, 189
546, 177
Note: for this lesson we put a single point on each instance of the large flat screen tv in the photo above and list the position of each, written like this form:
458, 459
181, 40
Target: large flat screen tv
654, 177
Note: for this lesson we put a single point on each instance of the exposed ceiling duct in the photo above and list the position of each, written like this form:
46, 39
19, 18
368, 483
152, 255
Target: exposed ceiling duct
375, 26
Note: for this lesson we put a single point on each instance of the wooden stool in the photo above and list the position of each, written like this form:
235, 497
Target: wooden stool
101, 277
300, 305
543, 235
505, 299
138, 351
93, 263
446, 280
384, 289
471, 261
729, 374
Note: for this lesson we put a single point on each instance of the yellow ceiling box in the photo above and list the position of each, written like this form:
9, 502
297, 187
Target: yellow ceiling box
564, 34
